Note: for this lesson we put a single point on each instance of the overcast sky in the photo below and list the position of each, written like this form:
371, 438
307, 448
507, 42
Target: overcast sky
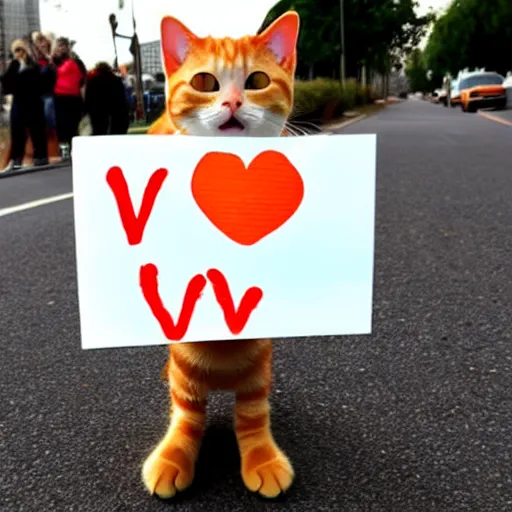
87, 21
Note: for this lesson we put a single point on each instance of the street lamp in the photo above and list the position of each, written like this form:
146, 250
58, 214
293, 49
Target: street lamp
135, 51
113, 26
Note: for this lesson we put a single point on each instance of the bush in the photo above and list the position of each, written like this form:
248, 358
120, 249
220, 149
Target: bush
322, 99
352, 96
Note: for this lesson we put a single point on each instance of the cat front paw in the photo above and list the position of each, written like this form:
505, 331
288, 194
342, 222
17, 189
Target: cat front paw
167, 471
267, 470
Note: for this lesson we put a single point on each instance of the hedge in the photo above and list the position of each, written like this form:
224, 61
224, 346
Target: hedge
321, 100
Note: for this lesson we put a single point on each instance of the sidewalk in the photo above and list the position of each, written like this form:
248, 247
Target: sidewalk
28, 166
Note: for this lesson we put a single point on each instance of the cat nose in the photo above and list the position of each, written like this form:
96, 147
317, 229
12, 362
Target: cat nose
233, 105
233, 100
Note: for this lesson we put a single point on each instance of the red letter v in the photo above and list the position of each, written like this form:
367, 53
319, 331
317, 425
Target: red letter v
235, 319
134, 226
149, 284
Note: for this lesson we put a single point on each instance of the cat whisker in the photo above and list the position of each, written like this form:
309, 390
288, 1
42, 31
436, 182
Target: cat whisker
253, 117
308, 129
260, 117
295, 130
306, 124
298, 129
209, 117
290, 129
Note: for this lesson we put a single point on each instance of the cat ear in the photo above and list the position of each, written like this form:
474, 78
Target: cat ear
176, 39
281, 36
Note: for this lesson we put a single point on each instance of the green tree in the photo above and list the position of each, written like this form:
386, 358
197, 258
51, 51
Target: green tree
471, 33
378, 33
417, 72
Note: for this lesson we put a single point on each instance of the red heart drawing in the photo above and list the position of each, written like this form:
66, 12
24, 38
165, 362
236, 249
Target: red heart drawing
247, 204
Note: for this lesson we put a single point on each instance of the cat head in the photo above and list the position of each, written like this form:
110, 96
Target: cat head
230, 87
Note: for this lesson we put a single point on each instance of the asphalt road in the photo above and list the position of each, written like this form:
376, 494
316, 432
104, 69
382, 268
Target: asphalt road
503, 116
416, 417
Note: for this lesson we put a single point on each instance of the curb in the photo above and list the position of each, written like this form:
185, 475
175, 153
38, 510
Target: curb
27, 170
344, 124
496, 119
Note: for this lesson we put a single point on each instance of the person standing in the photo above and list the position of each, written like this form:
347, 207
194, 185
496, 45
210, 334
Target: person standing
23, 80
67, 94
81, 65
42, 53
105, 101
41, 49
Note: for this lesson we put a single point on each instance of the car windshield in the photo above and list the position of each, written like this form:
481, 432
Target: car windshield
475, 81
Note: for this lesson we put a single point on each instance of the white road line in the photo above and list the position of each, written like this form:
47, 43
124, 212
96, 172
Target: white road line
34, 204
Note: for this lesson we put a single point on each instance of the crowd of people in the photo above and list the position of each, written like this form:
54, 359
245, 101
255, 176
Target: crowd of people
51, 92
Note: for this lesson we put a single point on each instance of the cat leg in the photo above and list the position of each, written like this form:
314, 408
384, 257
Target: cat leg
171, 465
265, 468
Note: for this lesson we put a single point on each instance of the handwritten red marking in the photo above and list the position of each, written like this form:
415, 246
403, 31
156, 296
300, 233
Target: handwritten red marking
235, 320
134, 225
149, 284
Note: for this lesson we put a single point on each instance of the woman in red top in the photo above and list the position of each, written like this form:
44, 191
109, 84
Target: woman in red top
68, 94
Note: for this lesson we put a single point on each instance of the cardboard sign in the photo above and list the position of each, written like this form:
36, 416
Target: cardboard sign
186, 238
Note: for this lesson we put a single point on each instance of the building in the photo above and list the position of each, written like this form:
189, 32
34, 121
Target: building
17, 19
150, 56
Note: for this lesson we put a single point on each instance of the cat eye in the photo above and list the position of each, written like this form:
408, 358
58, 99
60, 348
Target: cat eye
257, 80
205, 82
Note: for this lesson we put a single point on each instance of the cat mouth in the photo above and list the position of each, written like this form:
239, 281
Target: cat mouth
232, 124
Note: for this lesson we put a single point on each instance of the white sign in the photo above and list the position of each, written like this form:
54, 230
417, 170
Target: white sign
198, 238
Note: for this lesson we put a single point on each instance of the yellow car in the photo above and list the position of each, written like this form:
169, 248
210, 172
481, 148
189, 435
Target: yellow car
482, 90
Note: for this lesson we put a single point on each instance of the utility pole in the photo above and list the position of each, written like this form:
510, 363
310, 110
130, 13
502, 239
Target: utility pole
135, 50
342, 35
3, 53
3, 43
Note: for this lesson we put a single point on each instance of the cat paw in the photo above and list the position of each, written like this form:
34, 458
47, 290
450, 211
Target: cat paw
167, 471
267, 471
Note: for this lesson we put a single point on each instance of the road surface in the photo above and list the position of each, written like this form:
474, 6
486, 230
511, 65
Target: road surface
416, 417
500, 116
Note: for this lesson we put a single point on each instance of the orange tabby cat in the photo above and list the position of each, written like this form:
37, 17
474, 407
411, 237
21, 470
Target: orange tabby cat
224, 87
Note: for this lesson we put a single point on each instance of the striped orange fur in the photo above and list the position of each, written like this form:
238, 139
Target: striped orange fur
198, 104
235, 70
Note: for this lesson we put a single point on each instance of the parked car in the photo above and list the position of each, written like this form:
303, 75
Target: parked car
455, 94
482, 90
434, 97
441, 96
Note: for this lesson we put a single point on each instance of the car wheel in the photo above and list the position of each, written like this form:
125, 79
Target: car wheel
471, 108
